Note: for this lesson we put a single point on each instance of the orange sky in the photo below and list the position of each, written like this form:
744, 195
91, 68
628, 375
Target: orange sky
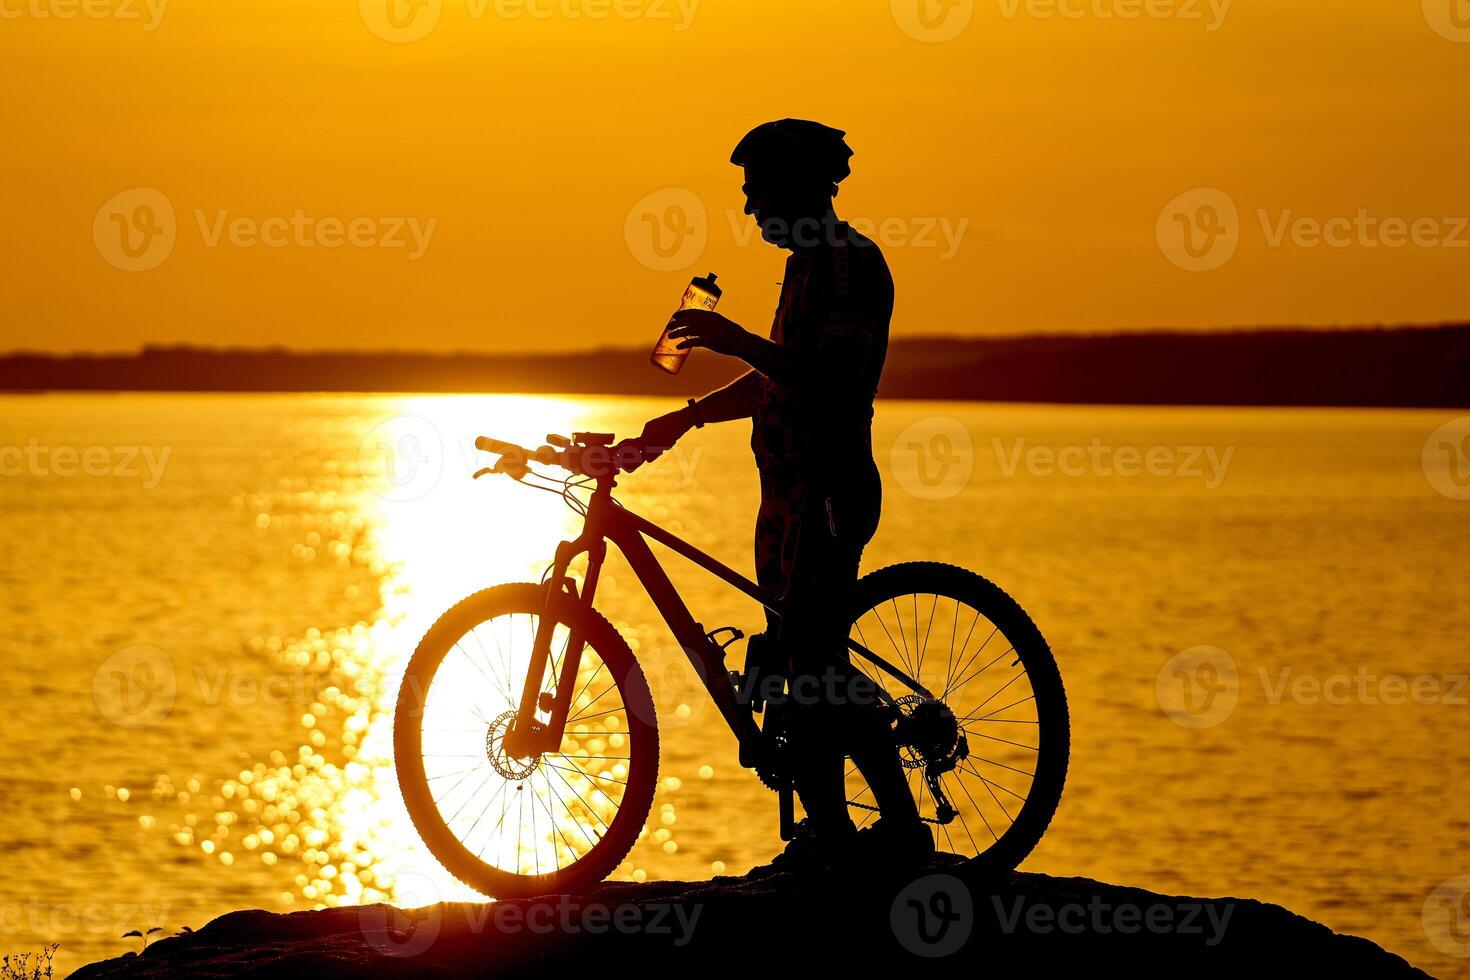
1022, 165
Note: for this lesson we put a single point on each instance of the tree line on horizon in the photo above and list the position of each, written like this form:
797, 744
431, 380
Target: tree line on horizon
1406, 367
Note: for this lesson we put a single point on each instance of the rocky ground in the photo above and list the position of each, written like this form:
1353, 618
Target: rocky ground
944, 915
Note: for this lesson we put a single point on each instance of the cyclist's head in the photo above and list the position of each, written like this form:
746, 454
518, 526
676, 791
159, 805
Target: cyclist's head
792, 169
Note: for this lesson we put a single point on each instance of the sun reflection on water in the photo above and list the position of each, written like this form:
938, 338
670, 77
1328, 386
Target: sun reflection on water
405, 507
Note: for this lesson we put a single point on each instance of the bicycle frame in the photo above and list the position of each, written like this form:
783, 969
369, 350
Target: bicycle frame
606, 520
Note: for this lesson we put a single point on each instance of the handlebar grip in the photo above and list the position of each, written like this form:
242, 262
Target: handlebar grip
489, 445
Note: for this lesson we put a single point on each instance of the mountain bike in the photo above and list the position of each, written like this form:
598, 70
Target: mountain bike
525, 736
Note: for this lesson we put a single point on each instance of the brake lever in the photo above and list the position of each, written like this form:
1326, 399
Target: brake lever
515, 470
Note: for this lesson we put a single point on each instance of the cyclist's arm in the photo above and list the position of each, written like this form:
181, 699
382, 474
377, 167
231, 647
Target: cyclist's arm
782, 364
830, 363
734, 401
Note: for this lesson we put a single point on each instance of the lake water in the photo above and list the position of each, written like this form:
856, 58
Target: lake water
208, 601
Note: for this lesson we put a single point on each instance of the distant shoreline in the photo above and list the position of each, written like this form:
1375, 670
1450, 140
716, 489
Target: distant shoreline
1406, 367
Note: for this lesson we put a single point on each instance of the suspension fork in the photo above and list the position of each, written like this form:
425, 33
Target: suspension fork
529, 736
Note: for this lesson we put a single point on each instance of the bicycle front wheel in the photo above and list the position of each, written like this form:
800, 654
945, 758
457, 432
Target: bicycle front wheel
512, 827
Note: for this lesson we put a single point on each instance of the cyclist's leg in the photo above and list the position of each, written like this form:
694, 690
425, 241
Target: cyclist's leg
822, 578
816, 762
847, 717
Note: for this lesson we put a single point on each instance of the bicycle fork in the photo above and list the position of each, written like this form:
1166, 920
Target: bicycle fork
528, 735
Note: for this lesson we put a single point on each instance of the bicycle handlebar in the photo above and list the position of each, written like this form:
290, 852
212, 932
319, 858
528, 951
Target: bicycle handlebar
584, 453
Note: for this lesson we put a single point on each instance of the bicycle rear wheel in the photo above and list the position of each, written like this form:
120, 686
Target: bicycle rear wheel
519, 827
998, 716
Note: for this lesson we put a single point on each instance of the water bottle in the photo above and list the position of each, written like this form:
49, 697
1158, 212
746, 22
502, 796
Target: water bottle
702, 294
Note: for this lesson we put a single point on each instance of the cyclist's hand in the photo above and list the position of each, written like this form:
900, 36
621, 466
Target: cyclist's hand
706, 328
658, 437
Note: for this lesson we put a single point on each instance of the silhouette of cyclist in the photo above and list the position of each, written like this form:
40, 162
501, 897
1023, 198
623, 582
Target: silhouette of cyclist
810, 395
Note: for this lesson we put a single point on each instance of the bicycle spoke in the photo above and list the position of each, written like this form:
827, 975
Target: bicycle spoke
950, 686
978, 810
927, 630
1019, 745
991, 716
590, 808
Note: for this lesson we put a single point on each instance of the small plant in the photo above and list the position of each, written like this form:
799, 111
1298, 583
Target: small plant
29, 966
141, 935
